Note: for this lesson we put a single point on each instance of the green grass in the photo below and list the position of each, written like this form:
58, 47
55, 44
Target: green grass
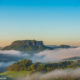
13, 75
16, 74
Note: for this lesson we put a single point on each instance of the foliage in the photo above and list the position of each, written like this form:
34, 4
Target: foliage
22, 65
27, 65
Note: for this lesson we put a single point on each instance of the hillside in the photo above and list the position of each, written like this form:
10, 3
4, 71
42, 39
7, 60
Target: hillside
25, 68
28, 65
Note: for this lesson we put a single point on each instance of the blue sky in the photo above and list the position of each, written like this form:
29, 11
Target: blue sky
53, 21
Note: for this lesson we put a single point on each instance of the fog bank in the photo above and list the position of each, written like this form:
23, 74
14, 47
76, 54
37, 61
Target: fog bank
65, 74
10, 56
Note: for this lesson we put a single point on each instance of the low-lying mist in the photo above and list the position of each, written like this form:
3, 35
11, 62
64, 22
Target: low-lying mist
11, 56
59, 74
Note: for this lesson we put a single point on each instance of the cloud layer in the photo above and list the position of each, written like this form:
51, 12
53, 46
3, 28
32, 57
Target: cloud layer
64, 74
10, 56
58, 54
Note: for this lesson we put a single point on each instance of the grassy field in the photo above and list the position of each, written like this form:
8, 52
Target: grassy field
16, 74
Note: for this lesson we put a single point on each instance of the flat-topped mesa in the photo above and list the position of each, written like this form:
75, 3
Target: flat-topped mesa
31, 45
26, 45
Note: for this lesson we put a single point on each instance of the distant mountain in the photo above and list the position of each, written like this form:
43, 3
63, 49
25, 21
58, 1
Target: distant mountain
52, 46
1, 48
73, 58
26, 45
32, 45
61, 46
65, 46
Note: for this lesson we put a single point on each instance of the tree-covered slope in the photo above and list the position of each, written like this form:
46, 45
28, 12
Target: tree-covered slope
28, 65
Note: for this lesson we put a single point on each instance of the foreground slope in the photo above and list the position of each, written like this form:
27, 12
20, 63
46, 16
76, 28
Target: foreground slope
26, 70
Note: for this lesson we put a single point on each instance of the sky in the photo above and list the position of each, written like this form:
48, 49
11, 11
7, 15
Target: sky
53, 21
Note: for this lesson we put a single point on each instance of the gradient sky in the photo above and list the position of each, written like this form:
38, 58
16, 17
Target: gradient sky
53, 21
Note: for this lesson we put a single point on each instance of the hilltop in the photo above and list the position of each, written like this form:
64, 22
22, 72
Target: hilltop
26, 45
31, 45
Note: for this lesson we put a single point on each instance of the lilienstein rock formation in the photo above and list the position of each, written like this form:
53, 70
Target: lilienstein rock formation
26, 45
31, 45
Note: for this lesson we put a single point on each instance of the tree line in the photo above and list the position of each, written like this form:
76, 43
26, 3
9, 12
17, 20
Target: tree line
28, 65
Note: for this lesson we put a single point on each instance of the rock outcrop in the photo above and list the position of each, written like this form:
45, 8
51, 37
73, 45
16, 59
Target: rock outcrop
31, 45
26, 45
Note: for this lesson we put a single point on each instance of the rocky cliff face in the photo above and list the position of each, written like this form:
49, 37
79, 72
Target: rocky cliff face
26, 45
31, 45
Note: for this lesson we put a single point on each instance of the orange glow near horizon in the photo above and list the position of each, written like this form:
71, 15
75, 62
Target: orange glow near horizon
6, 43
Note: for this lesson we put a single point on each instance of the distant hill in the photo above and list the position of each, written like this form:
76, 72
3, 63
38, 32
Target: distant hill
28, 65
52, 46
26, 45
65, 46
73, 58
31, 45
